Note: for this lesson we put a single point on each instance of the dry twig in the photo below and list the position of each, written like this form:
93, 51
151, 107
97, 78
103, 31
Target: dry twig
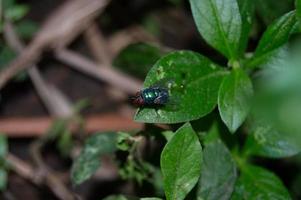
98, 45
128, 36
33, 127
56, 102
28, 172
57, 32
108, 74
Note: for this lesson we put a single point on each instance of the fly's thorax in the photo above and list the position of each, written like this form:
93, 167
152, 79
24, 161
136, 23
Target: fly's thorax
151, 94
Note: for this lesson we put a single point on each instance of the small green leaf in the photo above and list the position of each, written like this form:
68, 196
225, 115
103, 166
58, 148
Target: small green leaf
195, 85
218, 172
3, 179
234, 99
3, 146
6, 55
65, 142
267, 141
124, 141
219, 22
16, 12
89, 159
138, 58
258, 183
246, 8
276, 35
181, 163
26, 29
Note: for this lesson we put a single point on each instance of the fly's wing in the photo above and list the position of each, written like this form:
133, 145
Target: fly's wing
173, 104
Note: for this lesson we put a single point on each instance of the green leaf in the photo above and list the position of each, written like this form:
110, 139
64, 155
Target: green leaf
26, 29
8, 4
267, 141
181, 163
6, 55
298, 8
258, 183
89, 159
246, 8
269, 10
138, 58
124, 141
234, 99
219, 22
16, 12
65, 142
195, 85
218, 172
276, 35
3, 179
3, 146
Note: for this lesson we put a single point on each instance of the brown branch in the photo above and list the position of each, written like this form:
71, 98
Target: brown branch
128, 36
98, 45
43, 172
101, 52
110, 75
56, 103
34, 127
28, 172
58, 31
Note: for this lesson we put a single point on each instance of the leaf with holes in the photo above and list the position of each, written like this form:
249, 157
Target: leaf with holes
89, 159
195, 84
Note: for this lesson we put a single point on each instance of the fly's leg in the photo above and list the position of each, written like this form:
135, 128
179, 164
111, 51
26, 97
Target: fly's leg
157, 113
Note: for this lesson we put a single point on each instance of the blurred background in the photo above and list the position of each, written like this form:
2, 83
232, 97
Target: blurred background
87, 58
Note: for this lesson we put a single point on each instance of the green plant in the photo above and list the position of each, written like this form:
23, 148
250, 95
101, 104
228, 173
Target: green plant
15, 12
258, 100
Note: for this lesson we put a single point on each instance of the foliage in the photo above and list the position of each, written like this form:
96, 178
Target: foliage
15, 13
225, 116
181, 161
89, 159
258, 100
